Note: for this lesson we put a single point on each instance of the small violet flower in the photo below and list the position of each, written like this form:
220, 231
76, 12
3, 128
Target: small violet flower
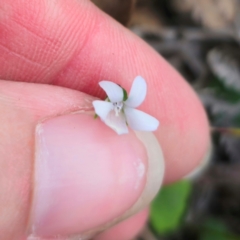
118, 111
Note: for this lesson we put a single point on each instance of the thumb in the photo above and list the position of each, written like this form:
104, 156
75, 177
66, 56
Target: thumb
64, 173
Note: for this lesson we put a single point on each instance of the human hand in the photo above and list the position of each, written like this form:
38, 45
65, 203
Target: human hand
62, 172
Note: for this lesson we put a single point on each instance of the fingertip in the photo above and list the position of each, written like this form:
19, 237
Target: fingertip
86, 46
89, 169
126, 230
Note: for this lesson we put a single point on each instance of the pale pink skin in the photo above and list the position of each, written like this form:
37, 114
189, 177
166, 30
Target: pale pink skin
84, 174
72, 44
127, 229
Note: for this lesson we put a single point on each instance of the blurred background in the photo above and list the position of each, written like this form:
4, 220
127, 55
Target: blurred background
201, 39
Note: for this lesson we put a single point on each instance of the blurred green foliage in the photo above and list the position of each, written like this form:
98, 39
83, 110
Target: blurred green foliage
216, 230
224, 92
168, 210
169, 206
223, 101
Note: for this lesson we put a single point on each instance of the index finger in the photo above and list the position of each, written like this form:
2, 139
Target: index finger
72, 44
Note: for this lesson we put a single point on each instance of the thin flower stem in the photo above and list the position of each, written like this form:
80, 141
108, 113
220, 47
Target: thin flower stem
232, 131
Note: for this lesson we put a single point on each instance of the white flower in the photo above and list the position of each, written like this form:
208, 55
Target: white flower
119, 112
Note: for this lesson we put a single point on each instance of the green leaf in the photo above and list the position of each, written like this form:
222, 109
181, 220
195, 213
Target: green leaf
232, 131
95, 116
169, 206
236, 120
107, 99
125, 95
224, 92
213, 229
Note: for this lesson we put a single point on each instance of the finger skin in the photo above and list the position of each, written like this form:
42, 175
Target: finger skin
22, 106
73, 44
127, 229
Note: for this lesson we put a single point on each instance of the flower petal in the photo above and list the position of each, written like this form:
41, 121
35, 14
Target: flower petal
113, 91
102, 108
140, 121
117, 123
138, 92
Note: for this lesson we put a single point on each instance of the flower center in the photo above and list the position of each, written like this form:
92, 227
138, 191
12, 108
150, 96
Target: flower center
118, 107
